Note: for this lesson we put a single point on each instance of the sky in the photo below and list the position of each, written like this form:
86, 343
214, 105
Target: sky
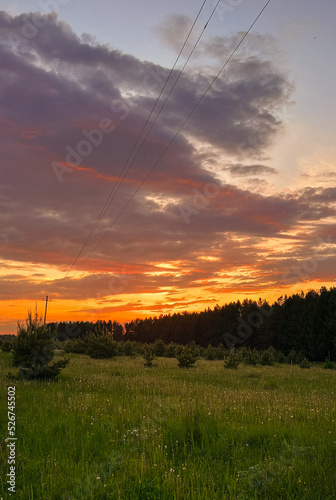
135, 184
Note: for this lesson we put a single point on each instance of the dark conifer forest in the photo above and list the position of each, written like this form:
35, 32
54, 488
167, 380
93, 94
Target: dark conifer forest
302, 323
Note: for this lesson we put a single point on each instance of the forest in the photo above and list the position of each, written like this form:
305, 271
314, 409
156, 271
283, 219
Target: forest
304, 323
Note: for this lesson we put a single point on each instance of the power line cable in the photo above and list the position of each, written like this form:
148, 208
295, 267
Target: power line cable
103, 210
113, 192
121, 178
179, 130
166, 99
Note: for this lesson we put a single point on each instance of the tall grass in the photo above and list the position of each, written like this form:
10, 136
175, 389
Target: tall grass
115, 429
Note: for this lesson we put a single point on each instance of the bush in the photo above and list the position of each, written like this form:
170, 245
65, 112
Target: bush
130, 348
305, 363
280, 357
179, 350
77, 346
300, 357
232, 360
220, 352
267, 357
194, 348
33, 350
329, 365
6, 345
101, 347
210, 353
186, 358
292, 357
171, 350
252, 357
159, 348
149, 356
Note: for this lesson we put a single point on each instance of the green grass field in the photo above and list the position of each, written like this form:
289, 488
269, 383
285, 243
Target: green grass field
115, 429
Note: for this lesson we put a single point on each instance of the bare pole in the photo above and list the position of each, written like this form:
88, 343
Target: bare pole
45, 311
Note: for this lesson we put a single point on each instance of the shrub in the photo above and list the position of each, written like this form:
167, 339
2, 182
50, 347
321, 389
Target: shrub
280, 357
77, 346
252, 357
300, 357
210, 353
220, 352
102, 346
329, 365
149, 356
292, 357
186, 358
159, 348
130, 348
33, 350
171, 350
232, 360
6, 345
179, 350
267, 357
305, 363
194, 348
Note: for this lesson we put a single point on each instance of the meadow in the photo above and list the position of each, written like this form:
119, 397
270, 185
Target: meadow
115, 429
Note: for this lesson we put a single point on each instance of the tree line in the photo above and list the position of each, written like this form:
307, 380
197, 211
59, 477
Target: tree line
304, 323
296, 329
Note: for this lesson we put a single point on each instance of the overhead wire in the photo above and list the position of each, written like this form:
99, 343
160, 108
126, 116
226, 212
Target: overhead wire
179, 129
117, 182
167, 97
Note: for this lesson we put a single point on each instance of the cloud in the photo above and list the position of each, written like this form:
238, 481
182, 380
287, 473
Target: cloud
220, 47
174, 30
239, 170
56, 92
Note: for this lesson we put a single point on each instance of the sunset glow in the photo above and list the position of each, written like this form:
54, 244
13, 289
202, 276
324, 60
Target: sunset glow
240, 204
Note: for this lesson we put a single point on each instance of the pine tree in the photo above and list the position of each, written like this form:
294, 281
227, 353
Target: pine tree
34, 349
